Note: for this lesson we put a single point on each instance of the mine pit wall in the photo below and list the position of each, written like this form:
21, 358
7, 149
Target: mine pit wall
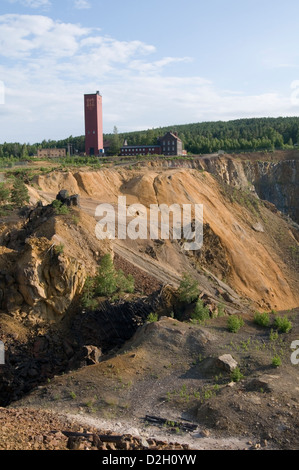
276, 182
273, 181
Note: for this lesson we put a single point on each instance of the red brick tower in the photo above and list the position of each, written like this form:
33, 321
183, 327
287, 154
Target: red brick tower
93, 124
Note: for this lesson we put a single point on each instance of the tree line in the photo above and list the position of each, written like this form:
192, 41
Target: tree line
233, 136
207, 137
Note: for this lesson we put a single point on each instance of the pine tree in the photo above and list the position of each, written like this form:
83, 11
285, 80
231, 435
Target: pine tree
188, 290
106, 281
115, 143
19, 193
4, 193
88, 299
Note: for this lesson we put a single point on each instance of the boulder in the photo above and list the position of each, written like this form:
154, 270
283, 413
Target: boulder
258, 227
92, 354
64, 198
75, 200
265, 383
227, 363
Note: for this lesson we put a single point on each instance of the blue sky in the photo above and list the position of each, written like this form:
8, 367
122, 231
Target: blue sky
156, 63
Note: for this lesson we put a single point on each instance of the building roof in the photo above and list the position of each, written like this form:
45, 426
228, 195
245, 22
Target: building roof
172, 134
139, 146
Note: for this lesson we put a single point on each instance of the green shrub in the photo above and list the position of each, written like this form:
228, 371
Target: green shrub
234, 324
152, 317
221, 310
200, 312
59, 249
60, 209
283, 324
276, 361
188, 290
236, 375
262, 319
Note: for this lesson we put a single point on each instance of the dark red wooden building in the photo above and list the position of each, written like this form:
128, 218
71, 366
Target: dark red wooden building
169, 144
140, 150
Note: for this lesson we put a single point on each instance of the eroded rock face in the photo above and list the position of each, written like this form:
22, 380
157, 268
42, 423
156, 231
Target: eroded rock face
273, 181
44, 261
47, 279
277, 183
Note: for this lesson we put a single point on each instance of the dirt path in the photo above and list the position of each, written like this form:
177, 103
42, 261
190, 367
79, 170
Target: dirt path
198, 440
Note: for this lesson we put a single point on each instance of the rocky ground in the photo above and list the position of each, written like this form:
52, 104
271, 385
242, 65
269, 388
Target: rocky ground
76, 378
29, 429
171, 370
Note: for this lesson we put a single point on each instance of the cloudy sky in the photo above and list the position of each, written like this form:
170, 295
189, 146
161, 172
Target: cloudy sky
156, 63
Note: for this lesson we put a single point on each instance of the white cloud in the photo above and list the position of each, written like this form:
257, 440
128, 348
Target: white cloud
47, 66
33, 3
156, 66
21, 36
82, 4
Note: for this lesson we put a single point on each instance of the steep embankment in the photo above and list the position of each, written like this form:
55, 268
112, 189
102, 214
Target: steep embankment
274, 176
247, 245
273, 181
277, 183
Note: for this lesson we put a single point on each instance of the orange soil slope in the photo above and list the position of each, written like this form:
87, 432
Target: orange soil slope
258, 270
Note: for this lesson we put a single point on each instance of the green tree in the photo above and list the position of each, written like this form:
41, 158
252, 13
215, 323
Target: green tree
150, 137
109, 280
88, 299
115, 144
4, 194
19, 193
125, 284
188, 290
106, 280
24, 151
